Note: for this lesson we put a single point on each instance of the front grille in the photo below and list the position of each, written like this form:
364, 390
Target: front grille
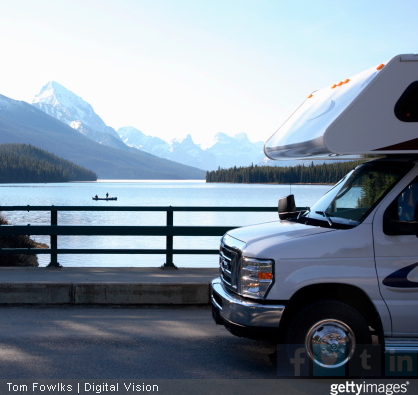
228, 261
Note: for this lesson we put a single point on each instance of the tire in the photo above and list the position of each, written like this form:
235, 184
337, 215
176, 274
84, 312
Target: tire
330, 331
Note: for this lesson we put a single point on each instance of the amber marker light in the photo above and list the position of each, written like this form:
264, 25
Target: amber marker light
310, 96
265, 276
347, 80
380, 67
332, 87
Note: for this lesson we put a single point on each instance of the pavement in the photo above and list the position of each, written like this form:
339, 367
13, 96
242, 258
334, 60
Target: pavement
99, 342
105, 286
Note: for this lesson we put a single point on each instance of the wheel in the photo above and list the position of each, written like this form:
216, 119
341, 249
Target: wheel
330, 331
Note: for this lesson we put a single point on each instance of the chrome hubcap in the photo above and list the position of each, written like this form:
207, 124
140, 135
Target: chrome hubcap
330, 343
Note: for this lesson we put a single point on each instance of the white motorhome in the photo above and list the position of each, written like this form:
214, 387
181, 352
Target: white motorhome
342, 273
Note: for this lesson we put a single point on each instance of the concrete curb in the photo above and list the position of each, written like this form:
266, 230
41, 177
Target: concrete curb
105, 287
116, 294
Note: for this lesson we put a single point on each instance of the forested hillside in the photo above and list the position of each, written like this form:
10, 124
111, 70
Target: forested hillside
25, 163
327, 173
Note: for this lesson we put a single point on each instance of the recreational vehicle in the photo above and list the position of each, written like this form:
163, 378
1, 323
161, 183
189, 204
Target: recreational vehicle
342, 274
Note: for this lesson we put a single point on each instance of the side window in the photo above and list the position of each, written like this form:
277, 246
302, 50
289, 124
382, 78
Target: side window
407, 203
403, 209
406, 109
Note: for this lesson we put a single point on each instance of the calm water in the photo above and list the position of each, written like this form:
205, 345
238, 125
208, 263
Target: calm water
146, 193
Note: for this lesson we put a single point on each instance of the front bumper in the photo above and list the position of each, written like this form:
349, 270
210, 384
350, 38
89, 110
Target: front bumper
243, 317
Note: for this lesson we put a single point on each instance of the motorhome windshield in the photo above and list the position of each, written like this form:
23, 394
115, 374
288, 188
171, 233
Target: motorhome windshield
353, 197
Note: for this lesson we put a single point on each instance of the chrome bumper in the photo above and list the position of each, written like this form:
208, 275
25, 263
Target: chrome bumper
242, 312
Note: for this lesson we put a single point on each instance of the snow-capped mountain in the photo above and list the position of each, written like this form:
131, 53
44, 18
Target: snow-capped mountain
185, 149
135, 138
225, 151
99, 137
236, 151
67, 107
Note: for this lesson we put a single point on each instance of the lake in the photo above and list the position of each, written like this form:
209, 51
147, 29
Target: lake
146, 193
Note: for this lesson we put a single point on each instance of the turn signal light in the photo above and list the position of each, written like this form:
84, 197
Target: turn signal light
265, 276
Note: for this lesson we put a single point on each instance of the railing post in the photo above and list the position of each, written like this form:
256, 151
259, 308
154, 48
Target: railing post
169, 241
54, 240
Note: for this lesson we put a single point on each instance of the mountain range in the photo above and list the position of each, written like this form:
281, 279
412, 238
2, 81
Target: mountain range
21, 122
225, 151
62, 123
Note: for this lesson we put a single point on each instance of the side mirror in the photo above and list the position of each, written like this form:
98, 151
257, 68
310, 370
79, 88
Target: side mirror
287, 207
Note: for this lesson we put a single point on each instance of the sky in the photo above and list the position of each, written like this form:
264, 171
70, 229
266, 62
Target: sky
175, 67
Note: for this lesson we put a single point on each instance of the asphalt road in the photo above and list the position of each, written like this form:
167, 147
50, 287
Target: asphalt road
86, 350
126, 343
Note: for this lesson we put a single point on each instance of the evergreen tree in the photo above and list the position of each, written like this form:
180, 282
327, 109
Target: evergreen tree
25, 163
326, 173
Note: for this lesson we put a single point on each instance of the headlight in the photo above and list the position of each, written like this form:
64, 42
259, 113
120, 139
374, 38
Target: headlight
256, 277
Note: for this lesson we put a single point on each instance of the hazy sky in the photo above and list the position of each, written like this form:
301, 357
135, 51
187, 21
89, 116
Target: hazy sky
173, 67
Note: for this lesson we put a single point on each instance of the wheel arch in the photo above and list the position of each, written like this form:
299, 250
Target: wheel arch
345, 293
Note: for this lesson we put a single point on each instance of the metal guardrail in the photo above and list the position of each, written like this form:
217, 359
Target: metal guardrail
169, 230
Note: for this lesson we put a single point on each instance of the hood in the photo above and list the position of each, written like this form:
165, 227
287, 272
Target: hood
280, 231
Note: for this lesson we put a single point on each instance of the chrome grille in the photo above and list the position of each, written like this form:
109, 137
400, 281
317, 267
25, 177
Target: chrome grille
229, 258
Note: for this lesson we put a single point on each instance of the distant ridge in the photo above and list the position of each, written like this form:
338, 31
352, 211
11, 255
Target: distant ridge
225, 151
21, 122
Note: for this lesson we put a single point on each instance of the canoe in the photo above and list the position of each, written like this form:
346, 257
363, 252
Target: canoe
108, 198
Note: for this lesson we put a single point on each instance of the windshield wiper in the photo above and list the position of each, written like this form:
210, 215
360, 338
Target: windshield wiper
326, 215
